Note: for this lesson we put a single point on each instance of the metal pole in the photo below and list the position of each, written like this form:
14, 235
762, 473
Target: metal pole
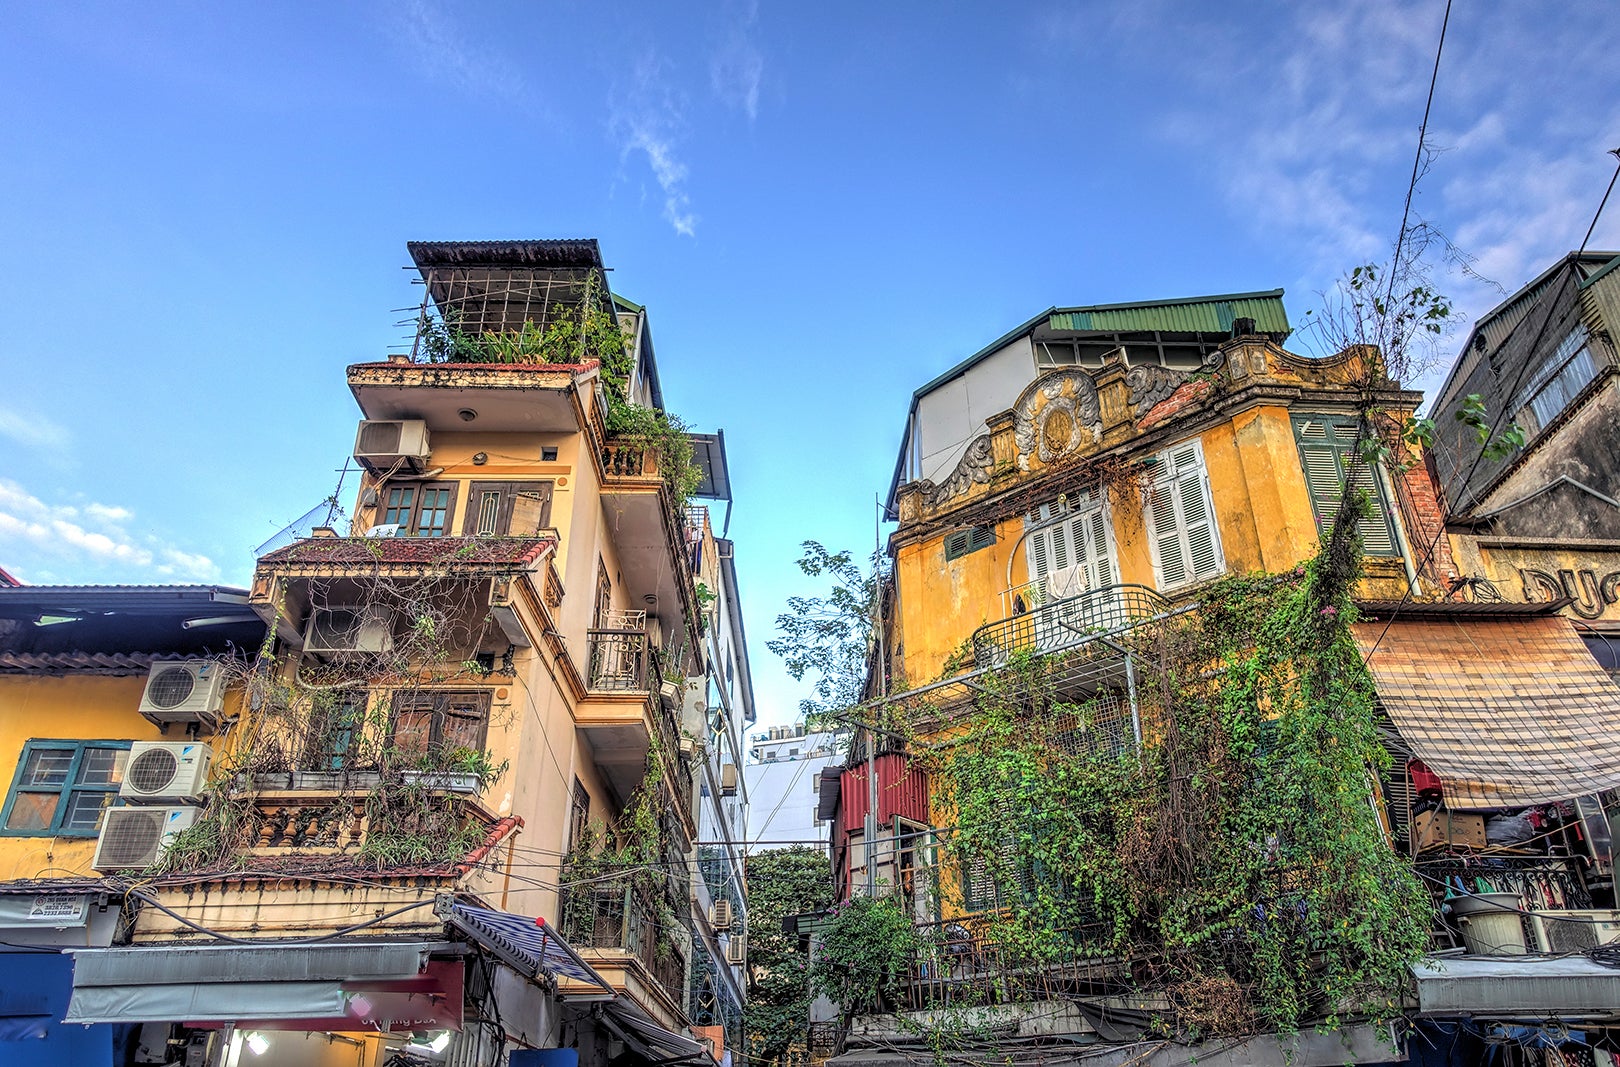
870, 833
1130, 689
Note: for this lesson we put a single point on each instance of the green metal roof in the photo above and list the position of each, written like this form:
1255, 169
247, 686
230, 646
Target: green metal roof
1198, 314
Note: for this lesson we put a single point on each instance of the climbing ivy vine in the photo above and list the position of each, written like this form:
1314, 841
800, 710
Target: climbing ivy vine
1235, 859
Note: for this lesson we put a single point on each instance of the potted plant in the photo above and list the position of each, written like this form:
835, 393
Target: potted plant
457, 770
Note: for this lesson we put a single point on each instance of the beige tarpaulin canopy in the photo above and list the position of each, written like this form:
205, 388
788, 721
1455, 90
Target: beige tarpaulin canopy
1508, 709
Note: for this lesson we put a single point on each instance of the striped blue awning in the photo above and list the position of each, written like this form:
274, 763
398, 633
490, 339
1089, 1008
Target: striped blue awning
528, 945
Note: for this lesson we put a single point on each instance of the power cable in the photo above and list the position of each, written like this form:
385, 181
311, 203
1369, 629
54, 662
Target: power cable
1417, 158
1615, 152
232, 939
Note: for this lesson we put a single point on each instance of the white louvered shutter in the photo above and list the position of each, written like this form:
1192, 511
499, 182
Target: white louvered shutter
1181, 515
1102, 563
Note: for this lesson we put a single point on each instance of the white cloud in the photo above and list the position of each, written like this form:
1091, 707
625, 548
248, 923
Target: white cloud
648, 119
93, 538
437, 46
33, 430
738, 65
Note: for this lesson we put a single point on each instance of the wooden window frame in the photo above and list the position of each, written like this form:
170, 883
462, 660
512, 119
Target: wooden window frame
579, 815
604, 594
64, 790
439, 701
412, 528
509, 492
345, 720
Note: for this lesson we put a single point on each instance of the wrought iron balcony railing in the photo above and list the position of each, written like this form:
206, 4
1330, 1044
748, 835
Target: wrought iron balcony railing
1065, 623
624, 919
622, 662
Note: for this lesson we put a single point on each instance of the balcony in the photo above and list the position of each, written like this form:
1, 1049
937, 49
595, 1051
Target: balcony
1064, 623
345, 571
651, 536
623, 711
502, 397
619, 932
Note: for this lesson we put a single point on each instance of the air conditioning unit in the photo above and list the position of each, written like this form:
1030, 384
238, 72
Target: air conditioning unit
728, 779
165, 771
191, 690
347, 630
136, 837
736, 950
720, 914
1563, 932
392, 445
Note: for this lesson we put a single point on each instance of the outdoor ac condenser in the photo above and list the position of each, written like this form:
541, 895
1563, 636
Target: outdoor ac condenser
736, 950
185, 691
1562, 932
136, 837
172, 772
392, 445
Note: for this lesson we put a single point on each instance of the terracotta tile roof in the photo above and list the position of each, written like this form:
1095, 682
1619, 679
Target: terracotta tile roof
575, 368
108, 663
455, 553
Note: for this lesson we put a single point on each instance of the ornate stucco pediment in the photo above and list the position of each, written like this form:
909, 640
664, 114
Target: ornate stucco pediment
1146, 385
972, 469
1056, 416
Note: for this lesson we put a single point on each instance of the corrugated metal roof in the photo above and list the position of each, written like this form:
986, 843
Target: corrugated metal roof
1199, 314
567, 254
117, 664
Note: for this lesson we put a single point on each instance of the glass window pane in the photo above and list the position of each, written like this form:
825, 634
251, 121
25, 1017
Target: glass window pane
435, 510
464, 731
84, 808
413, 730
102, 766
47, 767
399, 505
32, 811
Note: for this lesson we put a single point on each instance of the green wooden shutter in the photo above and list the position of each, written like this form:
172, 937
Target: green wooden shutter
1327, 453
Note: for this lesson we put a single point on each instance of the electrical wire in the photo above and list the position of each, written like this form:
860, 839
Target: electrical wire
1615, 152
1417, 157
234, 940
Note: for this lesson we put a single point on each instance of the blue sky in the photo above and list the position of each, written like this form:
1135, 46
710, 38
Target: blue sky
205, 209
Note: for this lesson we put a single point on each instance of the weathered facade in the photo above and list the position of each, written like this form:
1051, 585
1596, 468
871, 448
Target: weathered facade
455, 801
1066, 500
1545, 523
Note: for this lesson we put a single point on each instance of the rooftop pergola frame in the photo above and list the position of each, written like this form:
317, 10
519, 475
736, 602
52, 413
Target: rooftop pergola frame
496, 286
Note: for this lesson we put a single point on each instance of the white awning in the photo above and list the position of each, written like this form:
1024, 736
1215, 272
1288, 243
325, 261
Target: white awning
226, 983
1527, 986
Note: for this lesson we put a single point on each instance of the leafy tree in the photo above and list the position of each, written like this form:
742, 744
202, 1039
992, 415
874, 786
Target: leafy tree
828, 637
781, 882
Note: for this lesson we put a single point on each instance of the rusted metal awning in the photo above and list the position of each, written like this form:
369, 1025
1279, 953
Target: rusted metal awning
1508, 711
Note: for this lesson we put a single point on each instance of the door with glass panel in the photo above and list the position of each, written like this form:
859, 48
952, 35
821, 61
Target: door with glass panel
1073, 571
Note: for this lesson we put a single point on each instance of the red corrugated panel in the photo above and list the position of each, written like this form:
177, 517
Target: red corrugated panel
902, 790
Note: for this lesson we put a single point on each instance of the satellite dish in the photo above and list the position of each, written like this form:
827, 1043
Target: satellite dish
296, 530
